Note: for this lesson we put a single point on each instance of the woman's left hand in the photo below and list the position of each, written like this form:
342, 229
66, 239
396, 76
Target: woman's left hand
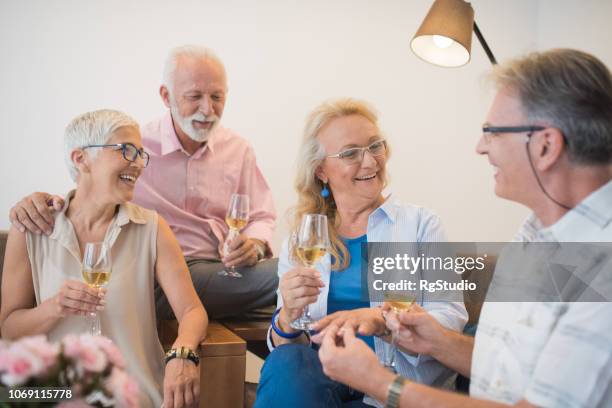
181, 384
367, 321
349, 360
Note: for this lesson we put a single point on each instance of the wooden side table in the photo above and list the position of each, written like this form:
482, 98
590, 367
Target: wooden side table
222, 364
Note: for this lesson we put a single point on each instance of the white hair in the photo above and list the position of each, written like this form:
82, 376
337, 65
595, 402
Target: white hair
194, 51
92, 128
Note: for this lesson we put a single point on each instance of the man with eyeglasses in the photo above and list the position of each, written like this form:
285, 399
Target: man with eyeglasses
196, 165
549, 139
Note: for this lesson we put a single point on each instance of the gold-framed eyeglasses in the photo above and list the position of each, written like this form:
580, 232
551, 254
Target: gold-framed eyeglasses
130, 152
354, 155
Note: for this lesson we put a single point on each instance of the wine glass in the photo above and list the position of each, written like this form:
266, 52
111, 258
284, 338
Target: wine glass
311, 243
96, 271
396, 307
237, 218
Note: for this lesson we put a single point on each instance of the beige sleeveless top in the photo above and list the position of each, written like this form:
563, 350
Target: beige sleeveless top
129, 315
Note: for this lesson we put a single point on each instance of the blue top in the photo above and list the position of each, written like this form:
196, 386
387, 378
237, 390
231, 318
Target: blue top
345, 286
391, 222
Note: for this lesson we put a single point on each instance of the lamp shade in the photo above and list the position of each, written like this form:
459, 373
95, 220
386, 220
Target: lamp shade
445, 36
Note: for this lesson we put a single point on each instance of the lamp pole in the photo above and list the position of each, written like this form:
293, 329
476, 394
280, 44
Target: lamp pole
484, 44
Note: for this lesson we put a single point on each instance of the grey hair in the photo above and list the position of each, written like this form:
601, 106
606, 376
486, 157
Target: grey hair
570, 90
92, 128
194, 51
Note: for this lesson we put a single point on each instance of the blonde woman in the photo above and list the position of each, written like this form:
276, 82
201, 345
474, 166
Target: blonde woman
342, 173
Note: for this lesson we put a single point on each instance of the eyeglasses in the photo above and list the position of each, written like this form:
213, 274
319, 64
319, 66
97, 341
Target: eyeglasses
129, 151
355, 154
489, 131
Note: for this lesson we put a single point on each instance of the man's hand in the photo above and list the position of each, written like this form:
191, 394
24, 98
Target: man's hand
416, 330
366, 321
349, 360
242, 252
34, 212
181, 384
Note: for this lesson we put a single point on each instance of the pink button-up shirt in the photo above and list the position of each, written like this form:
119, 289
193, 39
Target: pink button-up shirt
193, 192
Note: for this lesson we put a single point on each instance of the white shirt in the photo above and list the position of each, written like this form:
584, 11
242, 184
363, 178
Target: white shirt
551, 354
394, 222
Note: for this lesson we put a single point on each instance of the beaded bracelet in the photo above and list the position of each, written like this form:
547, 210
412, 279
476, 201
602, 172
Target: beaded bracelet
281, 333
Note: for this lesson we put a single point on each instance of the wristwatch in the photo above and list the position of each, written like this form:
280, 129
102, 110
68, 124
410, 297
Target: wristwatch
393, 394
184, 353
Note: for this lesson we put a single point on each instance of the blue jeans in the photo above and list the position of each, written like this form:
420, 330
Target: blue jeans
292, 376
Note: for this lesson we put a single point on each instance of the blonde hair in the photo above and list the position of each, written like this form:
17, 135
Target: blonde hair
311, 155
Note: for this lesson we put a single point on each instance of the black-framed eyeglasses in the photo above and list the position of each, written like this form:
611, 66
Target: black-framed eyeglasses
130, 152
355, 154
487, 131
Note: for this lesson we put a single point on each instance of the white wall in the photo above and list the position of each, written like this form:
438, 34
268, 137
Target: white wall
577, 24
62, 58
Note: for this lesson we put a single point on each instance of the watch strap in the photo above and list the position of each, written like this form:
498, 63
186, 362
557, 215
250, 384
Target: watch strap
184, 353
394, 391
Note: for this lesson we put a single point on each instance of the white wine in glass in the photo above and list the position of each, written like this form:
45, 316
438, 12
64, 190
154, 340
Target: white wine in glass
396, 306
96, 271
96, 278
237, 218
310, 255
236, 223
311, 243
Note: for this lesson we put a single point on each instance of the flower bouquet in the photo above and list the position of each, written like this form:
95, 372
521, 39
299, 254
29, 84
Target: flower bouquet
90, 366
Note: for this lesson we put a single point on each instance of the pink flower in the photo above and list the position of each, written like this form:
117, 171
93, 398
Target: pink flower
85, 352
72, 346
40, 346
124, 389
31, 357
111, 350
19, 364
91, 357
4, 359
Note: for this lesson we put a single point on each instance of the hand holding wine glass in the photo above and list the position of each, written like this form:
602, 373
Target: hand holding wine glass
237, 218
394, 306
96, 271
417, 332
311, 243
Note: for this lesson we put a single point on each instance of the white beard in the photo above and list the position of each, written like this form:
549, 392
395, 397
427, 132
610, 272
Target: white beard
186, 125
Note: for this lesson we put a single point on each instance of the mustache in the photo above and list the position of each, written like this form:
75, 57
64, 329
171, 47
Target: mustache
200, 117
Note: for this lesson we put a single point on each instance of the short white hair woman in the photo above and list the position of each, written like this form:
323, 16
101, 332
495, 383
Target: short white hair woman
42, 288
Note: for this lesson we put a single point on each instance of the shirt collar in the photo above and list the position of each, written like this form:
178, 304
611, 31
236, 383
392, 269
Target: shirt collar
170, 142
595, 209
63, 231
169, 139
388, 209
127, 212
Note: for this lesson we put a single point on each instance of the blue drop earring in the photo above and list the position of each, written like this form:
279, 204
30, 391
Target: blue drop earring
324, 191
